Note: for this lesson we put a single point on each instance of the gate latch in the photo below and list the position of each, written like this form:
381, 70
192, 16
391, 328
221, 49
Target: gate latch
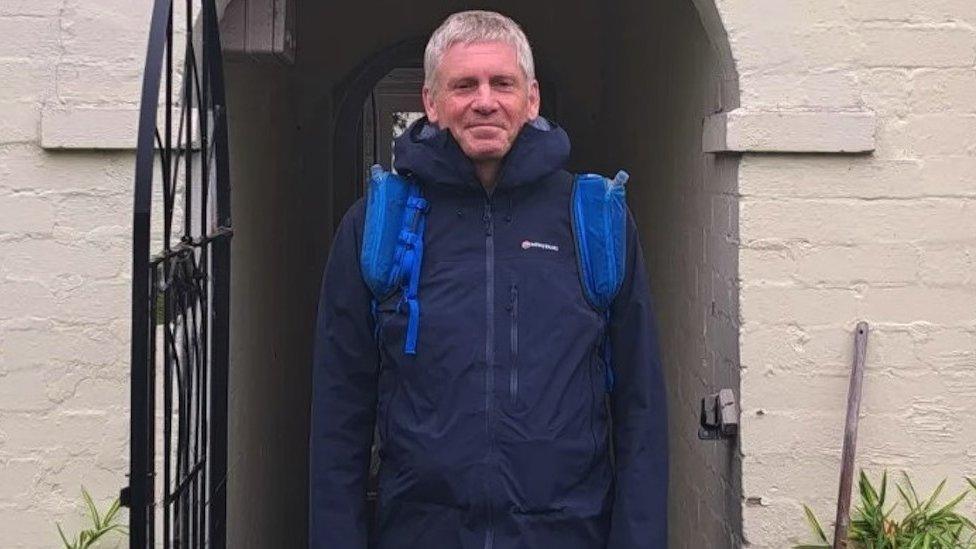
719, 416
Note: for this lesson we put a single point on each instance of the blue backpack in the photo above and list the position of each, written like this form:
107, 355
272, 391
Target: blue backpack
393, 243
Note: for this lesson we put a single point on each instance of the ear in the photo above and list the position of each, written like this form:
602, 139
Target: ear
430, 107
534, 99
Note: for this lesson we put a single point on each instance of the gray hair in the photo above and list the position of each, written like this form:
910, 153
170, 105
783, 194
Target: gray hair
468, 27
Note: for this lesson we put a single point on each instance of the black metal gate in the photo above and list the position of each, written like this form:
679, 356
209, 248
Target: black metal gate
180, 293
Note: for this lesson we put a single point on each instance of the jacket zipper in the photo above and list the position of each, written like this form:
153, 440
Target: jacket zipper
513, 378
489, 355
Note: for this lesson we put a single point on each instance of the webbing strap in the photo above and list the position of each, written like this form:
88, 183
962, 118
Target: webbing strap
407, 261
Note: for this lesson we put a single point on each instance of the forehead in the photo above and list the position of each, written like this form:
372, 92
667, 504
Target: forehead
462, 59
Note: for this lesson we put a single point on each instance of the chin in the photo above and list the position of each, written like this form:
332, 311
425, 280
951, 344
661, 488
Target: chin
485, 152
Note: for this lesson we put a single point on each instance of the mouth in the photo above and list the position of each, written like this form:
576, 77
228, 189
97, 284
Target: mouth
483, 126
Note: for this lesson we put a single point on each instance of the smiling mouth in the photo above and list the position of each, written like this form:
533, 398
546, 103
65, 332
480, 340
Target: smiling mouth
482, 126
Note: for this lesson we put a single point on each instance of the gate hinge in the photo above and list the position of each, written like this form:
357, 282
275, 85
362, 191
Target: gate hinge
125, 496
719, 416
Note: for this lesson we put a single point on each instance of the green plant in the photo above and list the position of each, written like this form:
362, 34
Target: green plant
101, 524
923, 527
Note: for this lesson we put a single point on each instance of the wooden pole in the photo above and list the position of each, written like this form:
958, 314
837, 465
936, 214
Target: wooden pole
850, 438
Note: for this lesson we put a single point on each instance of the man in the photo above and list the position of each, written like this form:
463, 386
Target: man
497, 432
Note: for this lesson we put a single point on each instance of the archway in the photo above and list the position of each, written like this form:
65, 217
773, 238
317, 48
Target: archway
635, 81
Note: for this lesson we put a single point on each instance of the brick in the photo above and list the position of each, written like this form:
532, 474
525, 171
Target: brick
100, 83
952, 90
26, 298
894, 142
885, 90
784, 90
24, 389
96, 301
841, 221
917, 47
918, 11
64, 480
774, 47
19, 123
70, 299
927, 423
46, 260
110, 30
951, 352
777, 523
93, 393
951, 266
949, 175
28, 37
864, 263
790, 351
25, 214
86, 211
795, 175
883, 394
25, 81
32, 433
30, 168
799, 14
946, 306
803, 306
774, 263
18, 477
942, 134
38, 8
36, 342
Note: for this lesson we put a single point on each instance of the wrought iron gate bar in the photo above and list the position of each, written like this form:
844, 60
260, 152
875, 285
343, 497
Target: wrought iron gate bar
183, 289
188, 245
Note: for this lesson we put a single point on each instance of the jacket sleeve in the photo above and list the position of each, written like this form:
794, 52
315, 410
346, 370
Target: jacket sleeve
639, 410
344, 376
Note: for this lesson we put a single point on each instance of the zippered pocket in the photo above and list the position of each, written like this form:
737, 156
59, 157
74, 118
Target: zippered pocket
513, 377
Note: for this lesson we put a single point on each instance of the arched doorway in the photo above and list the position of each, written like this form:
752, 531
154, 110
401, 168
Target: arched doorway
634, 80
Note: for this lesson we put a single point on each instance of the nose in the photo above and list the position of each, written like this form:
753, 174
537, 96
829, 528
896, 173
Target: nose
485, 102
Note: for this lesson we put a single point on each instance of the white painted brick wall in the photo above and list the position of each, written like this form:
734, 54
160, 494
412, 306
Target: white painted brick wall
64, 264
888, 237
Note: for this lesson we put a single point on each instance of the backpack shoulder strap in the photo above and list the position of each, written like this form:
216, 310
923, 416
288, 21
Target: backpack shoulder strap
599, 220
599, 227
393, 243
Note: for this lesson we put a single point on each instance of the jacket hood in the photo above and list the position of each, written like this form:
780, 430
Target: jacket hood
433, 155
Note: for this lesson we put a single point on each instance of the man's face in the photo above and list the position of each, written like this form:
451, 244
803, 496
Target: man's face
483, 97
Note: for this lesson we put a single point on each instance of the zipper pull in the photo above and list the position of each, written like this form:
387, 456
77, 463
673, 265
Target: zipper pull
513, 299
487, 218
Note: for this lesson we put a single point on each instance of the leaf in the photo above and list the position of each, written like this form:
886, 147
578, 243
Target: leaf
948, 507
67, 543
868, 494
935, 494
815, 524
92, 510
911, 489
884, 488
110, 514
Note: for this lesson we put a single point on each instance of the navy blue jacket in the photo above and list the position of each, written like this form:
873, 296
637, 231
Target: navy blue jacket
498, 432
